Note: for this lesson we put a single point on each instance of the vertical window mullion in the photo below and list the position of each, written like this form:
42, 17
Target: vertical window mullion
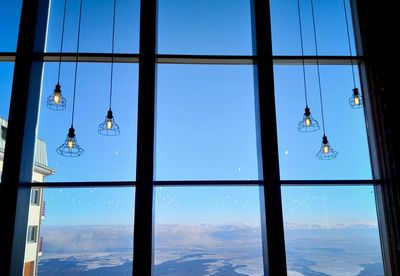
144, 203
20, 144
376, 86
267, 145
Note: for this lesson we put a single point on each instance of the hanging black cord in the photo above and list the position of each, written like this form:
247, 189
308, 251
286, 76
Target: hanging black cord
76, 62
319, 76
112, 54
302, 53
348, 39
62, 42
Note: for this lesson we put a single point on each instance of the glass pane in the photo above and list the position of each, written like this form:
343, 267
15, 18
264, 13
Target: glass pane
205, 27
205, 125
96, 26
10, 14
331, 231
6, 77
207, 231
330, 24
345, 127
105, 158
84, 231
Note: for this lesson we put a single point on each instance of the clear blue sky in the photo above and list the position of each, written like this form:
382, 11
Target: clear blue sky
205, 126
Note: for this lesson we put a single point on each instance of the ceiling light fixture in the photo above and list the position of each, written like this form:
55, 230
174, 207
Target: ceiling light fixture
326, 152
355, 100
70, 147
56, 101
308, 123
109, 127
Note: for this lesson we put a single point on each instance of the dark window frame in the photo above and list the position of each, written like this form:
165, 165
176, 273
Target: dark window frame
17, 172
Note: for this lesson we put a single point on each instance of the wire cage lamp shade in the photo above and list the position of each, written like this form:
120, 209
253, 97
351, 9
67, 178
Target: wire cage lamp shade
70, 147
109, 127
308, 124
326, 152
355, 100
56, 101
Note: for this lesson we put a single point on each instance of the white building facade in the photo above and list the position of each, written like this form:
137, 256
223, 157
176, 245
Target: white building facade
36, 203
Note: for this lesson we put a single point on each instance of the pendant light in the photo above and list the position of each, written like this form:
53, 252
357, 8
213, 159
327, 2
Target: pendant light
108, 127
326, 152
56, 100
308, 123
355, 100
70, 147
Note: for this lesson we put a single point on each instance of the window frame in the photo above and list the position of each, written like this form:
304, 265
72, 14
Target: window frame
17, 172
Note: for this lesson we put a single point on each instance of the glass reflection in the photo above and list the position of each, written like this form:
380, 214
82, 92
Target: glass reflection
331, 231
207, 231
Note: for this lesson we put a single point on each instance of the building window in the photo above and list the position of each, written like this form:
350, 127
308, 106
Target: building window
35, 197
32, 234
3, 132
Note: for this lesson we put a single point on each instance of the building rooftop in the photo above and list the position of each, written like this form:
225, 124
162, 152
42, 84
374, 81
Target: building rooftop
40, 150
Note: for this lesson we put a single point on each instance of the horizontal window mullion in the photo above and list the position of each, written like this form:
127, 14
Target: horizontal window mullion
82, 184
207, 183
91, 57
313, 60
206, 59
330, 182
192, 59
7, 57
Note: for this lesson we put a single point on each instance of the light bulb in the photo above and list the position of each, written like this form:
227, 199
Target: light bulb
308, 121
70, 143
326, 149
56, 98
109, 124
108, 127
356, 100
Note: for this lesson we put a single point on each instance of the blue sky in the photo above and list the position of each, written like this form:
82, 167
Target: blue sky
205, 125
9, 21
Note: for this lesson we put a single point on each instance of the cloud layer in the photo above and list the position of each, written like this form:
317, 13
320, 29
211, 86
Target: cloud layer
114, 238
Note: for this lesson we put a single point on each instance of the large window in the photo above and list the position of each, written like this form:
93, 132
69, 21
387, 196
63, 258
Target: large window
209, 174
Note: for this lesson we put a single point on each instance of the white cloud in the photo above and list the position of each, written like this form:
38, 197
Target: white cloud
329, 225
75, 239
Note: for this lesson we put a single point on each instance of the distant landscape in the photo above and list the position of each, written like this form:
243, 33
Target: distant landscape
218, 250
